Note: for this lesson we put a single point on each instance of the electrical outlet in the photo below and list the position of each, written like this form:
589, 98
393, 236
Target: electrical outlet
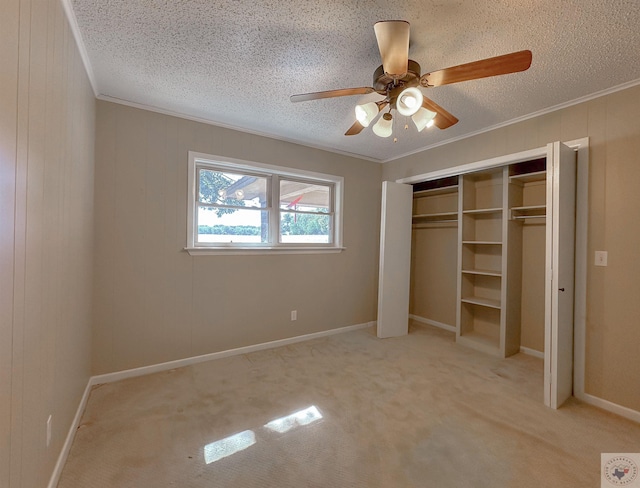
294, 315
601, 258
49, 430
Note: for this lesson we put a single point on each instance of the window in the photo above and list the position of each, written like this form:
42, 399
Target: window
251, 207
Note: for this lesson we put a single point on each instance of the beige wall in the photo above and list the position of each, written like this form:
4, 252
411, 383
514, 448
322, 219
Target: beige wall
155, 303
47, 113
8, 130
612, 123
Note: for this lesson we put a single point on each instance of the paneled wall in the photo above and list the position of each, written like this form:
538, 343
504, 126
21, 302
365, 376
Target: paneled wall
8, 131
47, 119
154, 302
612, 123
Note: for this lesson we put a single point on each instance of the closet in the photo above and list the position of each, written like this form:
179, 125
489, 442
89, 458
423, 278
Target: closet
476, 239
492, 259
482, 251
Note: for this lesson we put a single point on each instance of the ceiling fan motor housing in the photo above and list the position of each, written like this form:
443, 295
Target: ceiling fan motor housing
383, 81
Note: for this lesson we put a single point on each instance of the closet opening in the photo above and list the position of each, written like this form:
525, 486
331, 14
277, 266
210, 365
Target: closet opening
488, 250
478, 250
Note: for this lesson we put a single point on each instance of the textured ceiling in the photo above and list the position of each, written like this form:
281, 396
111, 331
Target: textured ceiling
235, 63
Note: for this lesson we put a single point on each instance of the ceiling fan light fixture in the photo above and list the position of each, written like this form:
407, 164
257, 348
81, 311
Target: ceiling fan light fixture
423, 118
366, 112
384, 126
409, 101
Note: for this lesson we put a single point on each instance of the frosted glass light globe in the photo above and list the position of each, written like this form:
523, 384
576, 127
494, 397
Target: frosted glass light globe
409, 101
366, 112
384, 126
423, 118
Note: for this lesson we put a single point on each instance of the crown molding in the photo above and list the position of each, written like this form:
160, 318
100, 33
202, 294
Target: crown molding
517, 120
82, 49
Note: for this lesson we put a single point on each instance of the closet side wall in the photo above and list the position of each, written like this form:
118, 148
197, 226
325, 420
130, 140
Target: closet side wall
434, 258
533, 254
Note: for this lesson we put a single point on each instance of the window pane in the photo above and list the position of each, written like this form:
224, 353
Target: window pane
232, 225
305, 228
304, 196
224, 188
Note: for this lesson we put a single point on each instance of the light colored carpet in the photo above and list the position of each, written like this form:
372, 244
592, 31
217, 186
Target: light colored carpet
415, 411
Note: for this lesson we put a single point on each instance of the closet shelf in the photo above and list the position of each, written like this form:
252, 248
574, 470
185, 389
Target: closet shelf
484, 302
528, 212
529, 177
435, 191
429, 224
436, 217
482, 211
483, 272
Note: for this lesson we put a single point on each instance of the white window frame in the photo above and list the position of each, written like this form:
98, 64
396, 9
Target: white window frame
273, 174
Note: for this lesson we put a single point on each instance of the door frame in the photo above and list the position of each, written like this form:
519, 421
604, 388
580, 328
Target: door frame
581, 146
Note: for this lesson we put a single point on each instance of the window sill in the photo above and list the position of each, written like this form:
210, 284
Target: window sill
212, 251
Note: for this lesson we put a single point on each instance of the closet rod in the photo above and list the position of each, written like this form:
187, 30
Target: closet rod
523, 217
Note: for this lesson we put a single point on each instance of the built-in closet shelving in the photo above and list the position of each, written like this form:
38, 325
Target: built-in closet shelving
436, 202
494, 204
487, 211
481, 267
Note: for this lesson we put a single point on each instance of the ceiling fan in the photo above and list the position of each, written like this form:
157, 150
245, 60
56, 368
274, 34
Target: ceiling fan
399, 79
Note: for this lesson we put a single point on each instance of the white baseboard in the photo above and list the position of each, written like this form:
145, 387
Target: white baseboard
435, 323
609, 406
66, 447
531, 352
179, 363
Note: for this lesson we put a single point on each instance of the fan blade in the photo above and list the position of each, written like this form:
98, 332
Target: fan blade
443, 119
357, 127
500, 65
393, 43
343, 92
